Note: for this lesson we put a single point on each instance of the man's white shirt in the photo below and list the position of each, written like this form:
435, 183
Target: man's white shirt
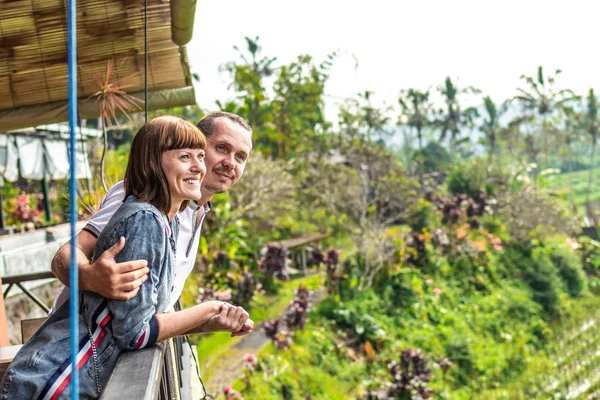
187, 241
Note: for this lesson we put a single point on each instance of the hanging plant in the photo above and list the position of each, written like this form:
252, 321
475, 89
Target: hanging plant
113, 98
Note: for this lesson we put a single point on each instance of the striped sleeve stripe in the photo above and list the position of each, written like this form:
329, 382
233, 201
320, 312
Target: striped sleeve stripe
61, 379
141, 341
148, 338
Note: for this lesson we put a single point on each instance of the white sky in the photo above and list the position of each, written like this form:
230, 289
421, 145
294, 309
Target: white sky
402, 44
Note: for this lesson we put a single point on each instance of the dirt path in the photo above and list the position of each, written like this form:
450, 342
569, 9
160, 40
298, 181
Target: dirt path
231, 365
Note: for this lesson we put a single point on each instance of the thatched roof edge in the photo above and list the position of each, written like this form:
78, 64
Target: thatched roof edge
26, 116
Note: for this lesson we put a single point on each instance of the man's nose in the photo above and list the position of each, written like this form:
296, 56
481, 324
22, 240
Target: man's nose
229, 161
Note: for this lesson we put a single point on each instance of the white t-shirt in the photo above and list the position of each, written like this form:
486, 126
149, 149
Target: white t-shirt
187, 241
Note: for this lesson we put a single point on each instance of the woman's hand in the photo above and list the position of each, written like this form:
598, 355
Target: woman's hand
232, 319
246, 329
188, 321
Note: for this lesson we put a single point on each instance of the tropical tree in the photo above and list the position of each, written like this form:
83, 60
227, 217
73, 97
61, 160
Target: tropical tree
490, 126
248, 81
571, 133
541, 101
362, 121
592, 130
298, 106
453, 120
374, 119
415, 113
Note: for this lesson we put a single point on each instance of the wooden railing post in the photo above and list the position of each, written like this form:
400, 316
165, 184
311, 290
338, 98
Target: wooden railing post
3, 321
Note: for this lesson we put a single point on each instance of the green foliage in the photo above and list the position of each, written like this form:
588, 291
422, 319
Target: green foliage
354, 318
482, 292
544, 281
568, 264
416, 111
589, 251
576, 184
433, 157
470, 178
532, 214
422, 215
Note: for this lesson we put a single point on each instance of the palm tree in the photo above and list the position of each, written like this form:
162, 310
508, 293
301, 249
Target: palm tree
572, 130
592, 130
416, 111
490, 125
540, 99
453, 119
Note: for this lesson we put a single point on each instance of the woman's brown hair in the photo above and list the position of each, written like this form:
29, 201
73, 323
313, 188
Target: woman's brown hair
144, 177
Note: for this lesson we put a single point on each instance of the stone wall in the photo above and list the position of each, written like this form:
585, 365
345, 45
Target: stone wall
19, 307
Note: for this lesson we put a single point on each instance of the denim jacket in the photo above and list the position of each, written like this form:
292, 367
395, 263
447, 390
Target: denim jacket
42, 368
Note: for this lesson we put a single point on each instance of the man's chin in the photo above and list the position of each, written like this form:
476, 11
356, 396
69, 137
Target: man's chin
215, 189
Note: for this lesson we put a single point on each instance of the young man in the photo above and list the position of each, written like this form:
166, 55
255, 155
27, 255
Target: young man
229, 143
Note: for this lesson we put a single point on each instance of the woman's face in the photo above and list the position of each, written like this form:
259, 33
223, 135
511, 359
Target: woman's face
184, 169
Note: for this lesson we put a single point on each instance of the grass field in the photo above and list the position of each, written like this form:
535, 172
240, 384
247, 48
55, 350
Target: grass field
570, 369
559, 185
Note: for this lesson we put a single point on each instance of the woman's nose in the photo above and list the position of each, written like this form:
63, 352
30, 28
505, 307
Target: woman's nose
198, 165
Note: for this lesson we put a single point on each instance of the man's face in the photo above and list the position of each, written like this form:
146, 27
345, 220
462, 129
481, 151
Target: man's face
227, 151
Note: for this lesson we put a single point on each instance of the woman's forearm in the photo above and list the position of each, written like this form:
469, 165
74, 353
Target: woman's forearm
186, 321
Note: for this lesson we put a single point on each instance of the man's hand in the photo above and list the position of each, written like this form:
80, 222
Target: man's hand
232, 319
117, 281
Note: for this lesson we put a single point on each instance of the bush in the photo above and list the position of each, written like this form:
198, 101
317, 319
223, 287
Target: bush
474, 177
532, 213
398, 291
589, 251
458, 350
433, 157
542, 278
355, 317
422, 215
569, 267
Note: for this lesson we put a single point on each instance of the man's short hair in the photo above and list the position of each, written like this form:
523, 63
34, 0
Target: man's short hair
144, 177
207, 123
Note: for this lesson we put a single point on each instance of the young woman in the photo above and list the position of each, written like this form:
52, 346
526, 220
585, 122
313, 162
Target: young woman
164, 172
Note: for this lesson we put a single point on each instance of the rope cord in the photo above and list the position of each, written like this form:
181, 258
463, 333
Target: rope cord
145, 61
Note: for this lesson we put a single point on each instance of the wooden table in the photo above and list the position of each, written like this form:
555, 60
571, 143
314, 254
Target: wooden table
7, 353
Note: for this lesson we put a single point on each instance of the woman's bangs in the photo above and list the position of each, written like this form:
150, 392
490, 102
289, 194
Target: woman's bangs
186, 136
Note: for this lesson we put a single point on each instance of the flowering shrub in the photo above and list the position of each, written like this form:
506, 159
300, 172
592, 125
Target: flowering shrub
410, 377
316, 257
281, 336
274, 261
24, 212
234, 287
231, 394
333, 278
295, 316
462, 207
